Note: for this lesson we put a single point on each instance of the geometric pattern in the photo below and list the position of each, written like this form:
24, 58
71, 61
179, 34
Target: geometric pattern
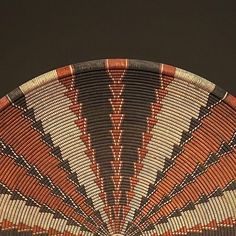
118, 147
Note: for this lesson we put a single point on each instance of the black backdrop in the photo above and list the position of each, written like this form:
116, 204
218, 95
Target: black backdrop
38, 36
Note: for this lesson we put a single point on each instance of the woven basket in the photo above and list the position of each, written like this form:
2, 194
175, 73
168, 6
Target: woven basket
118, 147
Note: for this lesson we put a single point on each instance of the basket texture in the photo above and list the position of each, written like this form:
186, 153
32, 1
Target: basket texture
118, 147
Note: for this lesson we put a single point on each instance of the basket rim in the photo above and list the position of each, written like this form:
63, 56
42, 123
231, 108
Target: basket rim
133, 64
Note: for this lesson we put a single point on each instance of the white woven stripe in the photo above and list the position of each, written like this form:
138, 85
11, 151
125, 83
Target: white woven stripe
64, 133
31, 216
38, 81
194, 80
163, 137
217, 208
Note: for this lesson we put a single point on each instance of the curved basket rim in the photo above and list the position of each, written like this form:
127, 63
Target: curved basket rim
135, 64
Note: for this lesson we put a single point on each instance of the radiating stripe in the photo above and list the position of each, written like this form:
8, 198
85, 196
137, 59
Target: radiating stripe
151, 121
49, 165
41, 194
138, 97
161, 145
118, 147
64, 131
217, 209
205, 183
40, 222
173, 176
94, 99
116, 88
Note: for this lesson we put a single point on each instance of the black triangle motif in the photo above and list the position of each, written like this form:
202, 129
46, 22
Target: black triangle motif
203, 199
4, 190
57, 153
190, 206
163, 220
194, 123
46, 209
224, 148
176, 151
185, 136
168, 163
151, 189
30, 113
217, 193
38, 126
176, 213
231, 186
17, 196
48, 139
212, 159
159, 176
58, 215
65, 165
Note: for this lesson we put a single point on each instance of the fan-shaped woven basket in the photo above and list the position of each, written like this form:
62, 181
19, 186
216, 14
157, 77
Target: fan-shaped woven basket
118, 147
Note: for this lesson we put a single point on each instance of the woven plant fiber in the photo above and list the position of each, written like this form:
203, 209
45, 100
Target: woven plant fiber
118, 147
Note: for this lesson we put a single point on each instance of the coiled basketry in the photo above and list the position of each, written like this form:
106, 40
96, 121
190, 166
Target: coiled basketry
118, 147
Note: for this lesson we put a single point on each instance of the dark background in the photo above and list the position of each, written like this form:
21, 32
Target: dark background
38, 36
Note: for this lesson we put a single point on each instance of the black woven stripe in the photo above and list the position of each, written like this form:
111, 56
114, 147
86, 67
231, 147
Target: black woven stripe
15, 95
186, 135
45, 180
200, 169
94, 96
32, 171
194, 124
177, 149
46, 137
219, 92
138, 96
218, 192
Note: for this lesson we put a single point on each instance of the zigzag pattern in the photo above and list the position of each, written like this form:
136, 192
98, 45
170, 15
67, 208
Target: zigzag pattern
118, 147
